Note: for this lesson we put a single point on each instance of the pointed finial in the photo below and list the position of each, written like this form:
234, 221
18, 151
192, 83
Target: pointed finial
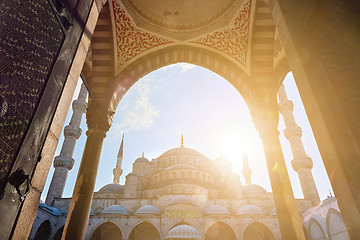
143, 154
182, 140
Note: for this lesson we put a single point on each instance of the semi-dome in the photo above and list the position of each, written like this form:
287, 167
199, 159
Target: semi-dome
182, 166
115, 209
148, 209
181, 199
112, 188
183, 232
216, 210
181, 151
249, 209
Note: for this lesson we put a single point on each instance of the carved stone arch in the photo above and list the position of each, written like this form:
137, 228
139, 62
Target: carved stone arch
230, 71
140, 222
224, 222
335, 227
103, 221
270, 233
315, 230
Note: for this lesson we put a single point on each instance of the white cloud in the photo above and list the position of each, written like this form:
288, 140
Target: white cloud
182, 67
138, 114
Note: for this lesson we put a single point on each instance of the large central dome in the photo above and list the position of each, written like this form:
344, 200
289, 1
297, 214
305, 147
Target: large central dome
181, 151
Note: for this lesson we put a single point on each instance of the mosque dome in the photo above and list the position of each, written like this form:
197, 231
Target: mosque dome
181, 151
249, 209
142, 159
216, 210
182, 166
183, 232
112, 188
148, 209
181, 199
253, 189
115, 209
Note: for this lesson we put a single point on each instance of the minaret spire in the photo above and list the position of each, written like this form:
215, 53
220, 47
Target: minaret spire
64, 162
182, 140
117, 171
246, 169
301, 163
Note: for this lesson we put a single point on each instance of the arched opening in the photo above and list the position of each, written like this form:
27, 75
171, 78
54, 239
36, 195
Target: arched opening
315, 231
59, 233
44, 231
258, 231
107, 231
335, 226
220, 231
144, 231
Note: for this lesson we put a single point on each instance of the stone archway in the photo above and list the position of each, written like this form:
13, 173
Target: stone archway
107, 231
144, 231
220, 230
335, 226
258, 231
44, 231
315, 231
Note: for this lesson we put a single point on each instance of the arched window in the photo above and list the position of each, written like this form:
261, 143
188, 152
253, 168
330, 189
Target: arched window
106, 231
44, 231
144, 231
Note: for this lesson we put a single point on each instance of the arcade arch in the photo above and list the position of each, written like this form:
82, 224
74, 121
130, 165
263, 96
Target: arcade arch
335, 226
220, 230
44, 231
315, 231
144, 231
107, 231
258, 231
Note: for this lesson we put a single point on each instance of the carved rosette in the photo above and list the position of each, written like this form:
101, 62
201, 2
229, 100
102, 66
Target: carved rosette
234, 41
129, 40
64, 161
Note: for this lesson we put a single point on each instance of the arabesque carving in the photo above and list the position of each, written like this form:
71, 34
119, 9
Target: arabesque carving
234, 41
130, 41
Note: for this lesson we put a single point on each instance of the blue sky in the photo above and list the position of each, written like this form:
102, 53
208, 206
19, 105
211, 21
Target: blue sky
191, 100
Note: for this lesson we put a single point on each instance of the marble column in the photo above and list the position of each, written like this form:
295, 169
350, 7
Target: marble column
301, 163
64, 162
265, 115
99, 120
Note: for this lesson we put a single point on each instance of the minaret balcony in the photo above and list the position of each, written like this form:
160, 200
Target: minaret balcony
79, 105
286, 106
301, 163
293, 132
72, 131
64, 161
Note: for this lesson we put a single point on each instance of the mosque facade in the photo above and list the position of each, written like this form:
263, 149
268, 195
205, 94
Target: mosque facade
184, 195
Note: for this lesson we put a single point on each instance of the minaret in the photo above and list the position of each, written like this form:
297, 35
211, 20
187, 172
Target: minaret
117, 171
182, 140
246, 169
64, 162
301, 163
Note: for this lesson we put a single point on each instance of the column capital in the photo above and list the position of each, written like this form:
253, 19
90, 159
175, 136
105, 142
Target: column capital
98, 118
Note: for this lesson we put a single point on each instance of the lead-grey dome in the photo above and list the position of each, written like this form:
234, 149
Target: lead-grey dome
182, 151
249, 209
112, 188
148, 209
183, 232
216, 210
115, 209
